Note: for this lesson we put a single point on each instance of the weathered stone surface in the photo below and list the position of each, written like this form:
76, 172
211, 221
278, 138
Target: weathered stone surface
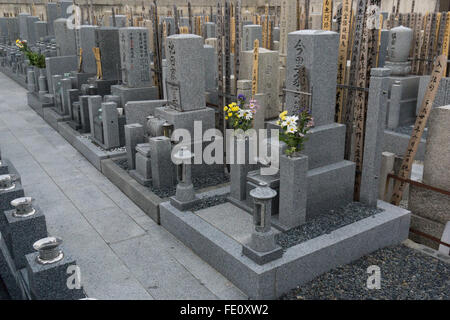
250, 34
185, 80
268, 65
134, 135
293, 191
135, 57
437, 156
65, 38
317, 51
87, 42
373, 144
107, 40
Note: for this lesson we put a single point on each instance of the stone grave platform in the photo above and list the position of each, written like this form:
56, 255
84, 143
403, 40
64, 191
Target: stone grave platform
217, 233
143, 196
52, 117
36, 104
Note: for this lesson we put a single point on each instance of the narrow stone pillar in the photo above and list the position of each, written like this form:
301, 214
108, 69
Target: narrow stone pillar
163, 169
134, 135
373, 144
293, 191
394, 106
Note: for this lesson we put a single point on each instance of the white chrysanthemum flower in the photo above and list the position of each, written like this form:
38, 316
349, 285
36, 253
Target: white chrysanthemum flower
248, 115
291, 121
291, 129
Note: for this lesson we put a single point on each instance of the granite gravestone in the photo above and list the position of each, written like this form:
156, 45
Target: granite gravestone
250, 34
65, 38
107, 40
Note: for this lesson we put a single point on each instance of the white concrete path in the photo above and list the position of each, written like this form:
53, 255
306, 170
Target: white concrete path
122, 253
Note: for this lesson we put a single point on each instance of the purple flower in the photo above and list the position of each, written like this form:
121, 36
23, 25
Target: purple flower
241, 97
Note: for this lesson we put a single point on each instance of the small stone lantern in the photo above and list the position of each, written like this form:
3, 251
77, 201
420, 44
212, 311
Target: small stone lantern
262, 247
185, 195
23, 207
49, 250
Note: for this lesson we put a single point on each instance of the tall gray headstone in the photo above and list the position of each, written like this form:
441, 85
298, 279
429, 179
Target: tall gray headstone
52, 15
185, 74
65, 38
317, 51
107, 40
135, 57
250, 34
87, 42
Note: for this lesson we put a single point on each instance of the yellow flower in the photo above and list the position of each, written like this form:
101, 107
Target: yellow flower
226, 118
225, 109
235, 108
230, 114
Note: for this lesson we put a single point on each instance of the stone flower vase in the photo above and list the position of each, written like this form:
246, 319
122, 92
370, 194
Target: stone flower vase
293, 190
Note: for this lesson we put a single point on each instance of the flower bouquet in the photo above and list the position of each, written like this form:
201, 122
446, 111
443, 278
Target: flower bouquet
239, 115
36, 59
294, 130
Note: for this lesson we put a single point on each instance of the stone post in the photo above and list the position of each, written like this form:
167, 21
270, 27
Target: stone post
94, 104
26, 225
373, 144
31, 81
262, 248
10, 189
48, 271
293, 191
394, 105
134, 135
163, 170
110, 118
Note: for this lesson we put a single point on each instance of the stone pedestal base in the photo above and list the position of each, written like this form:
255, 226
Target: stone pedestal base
49, 282
23, 233
185, 120
140, 178
134, 94
183, 206
262, 248
399, 68
8, 272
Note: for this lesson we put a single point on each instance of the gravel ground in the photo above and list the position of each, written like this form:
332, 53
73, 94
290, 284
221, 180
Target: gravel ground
406, 274
121, 149
122, 163
408, 131
326, 224
211, 202
200, 182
